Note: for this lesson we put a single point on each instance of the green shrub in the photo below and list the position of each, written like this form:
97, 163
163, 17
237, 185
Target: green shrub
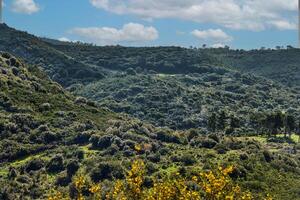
107, 171
34, 165
72, 167
56, 164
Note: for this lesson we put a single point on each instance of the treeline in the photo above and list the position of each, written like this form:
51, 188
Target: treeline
277, 122
270, 124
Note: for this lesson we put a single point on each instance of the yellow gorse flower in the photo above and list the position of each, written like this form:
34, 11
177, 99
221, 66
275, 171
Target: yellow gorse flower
211, 185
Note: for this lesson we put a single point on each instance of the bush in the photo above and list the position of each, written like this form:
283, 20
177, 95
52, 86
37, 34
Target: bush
267, 155
63, 180
167, 136
56, 164
188, 159
106, 171
34, 165
101, 142
80, 154
164, 151
208, 143
192, 134
45, 107
72, 168
154, 158
12, 174
209, 185
50, 137
221, 148
82, 137
80, 100
43, 128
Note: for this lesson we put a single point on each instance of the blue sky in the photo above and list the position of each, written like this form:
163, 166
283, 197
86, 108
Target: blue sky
238, 23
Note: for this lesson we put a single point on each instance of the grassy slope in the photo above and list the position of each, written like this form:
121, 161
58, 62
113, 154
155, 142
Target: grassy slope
26, 142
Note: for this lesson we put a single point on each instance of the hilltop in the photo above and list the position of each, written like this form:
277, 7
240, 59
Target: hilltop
281, 65
58, 65
70, 63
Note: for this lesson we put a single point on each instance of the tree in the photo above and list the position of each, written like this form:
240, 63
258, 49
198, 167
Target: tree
290, 124
222, 121
278, 122
234, 122
212, 122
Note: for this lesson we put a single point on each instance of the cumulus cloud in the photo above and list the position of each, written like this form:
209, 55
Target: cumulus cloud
131, 32
25, 6
215, 35
255, 15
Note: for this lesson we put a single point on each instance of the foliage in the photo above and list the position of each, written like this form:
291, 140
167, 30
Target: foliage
206, 185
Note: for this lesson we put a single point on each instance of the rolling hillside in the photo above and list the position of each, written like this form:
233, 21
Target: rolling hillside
187, 101
49, 136
70, 63
58, 65
181, 111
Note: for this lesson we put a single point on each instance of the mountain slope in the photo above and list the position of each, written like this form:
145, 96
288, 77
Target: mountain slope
70, 63
281, 65
187, 101
59, 66
29, 100
47, 136
278, 65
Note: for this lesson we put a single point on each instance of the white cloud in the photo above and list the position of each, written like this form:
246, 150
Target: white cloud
215, 35
255, 15
25, 6
64, 39
283, 25
130, 32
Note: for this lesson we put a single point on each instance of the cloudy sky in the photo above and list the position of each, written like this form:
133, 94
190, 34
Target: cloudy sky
237, 23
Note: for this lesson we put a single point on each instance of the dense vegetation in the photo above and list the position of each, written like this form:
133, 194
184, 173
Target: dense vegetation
48, 136
281, 65
189, 111
188, 101
209, 185
69, 63
59, 66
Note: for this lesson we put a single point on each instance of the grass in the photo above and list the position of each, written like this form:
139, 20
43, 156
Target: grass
263, 139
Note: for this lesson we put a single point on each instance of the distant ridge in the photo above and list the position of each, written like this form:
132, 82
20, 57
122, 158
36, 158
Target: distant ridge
59, 66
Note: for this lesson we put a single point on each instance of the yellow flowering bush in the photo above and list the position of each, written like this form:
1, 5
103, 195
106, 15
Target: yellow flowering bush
211, 185
218, 185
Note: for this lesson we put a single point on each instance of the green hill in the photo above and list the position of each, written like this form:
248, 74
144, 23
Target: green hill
179, 110
185, 101
70, 63
59, 66
278, 65
48, 136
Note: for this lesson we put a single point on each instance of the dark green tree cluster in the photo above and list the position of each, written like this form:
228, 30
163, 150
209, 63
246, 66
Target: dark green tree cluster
279, 122
223, 122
